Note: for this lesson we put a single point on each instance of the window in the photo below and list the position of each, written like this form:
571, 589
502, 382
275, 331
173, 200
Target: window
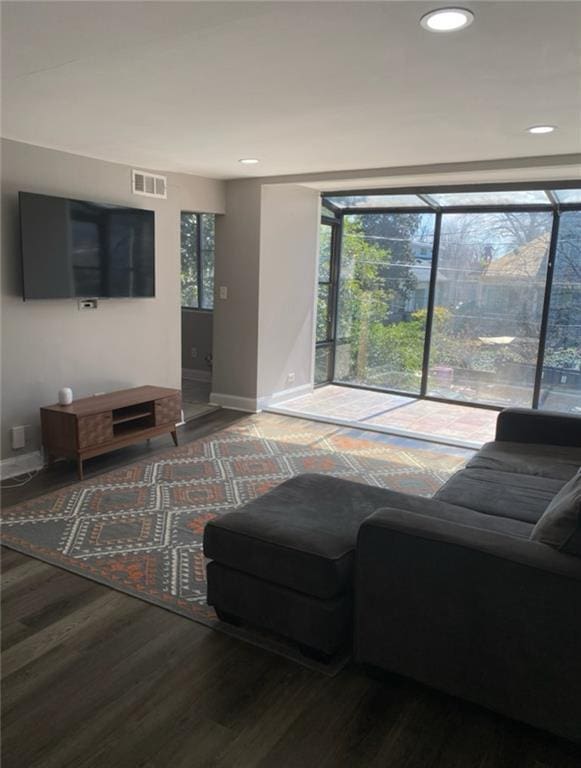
377, 201
490, 286
386, 263
325, 296
197, 260
463, 294
508, 197
561, 375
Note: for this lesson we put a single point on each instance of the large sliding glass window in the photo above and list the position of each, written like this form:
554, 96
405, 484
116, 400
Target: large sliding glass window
561, 376
490, 287
467, 295
383, 297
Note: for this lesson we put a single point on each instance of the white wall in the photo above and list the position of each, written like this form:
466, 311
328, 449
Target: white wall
234, 376
266, 256
197, 332
50, 344
289, 236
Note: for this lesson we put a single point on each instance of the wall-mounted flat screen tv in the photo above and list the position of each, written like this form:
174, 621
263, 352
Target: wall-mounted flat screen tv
75, 248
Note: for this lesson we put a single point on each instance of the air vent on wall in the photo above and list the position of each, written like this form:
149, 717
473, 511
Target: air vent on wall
148, 184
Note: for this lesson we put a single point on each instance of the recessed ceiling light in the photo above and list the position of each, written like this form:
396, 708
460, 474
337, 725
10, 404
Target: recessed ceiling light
541, 128
447, 19
248, 161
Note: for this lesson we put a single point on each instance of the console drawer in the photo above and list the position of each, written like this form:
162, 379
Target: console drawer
168, 410
95, 430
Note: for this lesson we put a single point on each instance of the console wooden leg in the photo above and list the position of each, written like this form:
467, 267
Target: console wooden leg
80, 467
174, 434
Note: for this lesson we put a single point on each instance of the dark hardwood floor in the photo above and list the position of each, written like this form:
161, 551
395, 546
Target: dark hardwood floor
93, 677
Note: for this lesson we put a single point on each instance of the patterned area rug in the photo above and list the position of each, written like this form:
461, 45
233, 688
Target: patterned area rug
139, 529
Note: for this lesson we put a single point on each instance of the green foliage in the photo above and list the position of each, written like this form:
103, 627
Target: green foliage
189, 264
377, 281
325, 239
190, 280
399, 347
568, 358
361, 265
208, 237
322, 313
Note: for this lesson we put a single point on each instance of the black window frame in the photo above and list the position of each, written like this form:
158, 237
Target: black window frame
429, 205
333, 285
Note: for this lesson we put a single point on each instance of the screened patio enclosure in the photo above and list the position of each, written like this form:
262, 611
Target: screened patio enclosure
468, 295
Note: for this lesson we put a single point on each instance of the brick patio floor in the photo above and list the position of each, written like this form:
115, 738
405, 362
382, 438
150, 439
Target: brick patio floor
377, 409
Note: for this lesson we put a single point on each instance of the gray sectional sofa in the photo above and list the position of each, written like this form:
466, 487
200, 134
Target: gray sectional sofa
476, 591
463, 598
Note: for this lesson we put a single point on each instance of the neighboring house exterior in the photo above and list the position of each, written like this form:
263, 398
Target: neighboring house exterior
515, 282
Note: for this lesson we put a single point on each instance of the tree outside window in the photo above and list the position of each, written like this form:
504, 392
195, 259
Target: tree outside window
197, 260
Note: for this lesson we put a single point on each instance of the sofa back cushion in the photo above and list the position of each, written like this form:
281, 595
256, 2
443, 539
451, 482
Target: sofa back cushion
505, 494
560, 524
557, 461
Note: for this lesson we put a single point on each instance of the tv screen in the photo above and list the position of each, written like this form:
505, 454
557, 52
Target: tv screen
74, 248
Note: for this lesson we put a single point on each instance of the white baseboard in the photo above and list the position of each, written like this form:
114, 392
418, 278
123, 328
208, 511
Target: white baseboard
18, 465
284, 394
247, 404
193, 374
254, 404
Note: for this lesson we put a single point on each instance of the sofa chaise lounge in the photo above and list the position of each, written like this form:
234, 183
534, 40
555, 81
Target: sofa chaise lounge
476, 591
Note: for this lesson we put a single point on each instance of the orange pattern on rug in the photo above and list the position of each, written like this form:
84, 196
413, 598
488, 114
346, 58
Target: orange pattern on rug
139, 529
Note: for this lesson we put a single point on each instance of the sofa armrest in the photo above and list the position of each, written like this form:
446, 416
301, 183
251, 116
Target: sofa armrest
429, 511
480, 614
523, 425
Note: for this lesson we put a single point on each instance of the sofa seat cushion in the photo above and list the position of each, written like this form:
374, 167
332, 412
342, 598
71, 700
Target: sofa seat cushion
507, 494
300, 535
558, 462
560, 524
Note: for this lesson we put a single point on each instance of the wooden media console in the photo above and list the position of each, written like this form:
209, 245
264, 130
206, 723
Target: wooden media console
102, 423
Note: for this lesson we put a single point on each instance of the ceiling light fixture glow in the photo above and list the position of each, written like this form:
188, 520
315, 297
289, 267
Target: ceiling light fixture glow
248, 161
541, 128
447, 19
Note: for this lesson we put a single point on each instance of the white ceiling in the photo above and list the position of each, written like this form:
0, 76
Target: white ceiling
303, 86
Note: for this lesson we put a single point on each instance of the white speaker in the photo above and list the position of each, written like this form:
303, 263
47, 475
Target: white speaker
65, 396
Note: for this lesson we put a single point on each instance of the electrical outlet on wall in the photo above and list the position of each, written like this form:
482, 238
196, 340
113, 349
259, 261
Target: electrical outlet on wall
223, 292
18, 437
194, 353
88, 304
290, 378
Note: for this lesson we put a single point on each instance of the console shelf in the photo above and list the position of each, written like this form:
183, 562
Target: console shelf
95, 425
132, 417
121, 416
